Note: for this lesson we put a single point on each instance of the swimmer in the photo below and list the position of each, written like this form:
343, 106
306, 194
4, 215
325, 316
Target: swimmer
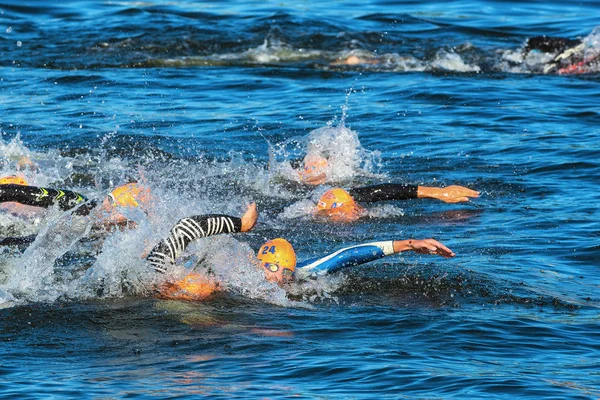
339, 205
16, 190
276, 258
353, 60
195, 286
572, 56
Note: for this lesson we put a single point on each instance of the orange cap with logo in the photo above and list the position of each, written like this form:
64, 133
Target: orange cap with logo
13, 180
278, 259
314, 171
337, 204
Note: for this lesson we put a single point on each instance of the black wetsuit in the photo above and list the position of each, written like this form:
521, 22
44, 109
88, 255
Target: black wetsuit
44, 197
571, 55
186, 231
383, 192
548, 44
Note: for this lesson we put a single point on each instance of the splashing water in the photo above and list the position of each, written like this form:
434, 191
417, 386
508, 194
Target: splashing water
339, 145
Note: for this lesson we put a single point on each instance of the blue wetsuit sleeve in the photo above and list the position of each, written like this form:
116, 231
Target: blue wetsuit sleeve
343, 258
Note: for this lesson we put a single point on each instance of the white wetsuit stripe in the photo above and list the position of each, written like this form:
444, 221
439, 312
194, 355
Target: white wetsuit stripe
345, 257
186, 231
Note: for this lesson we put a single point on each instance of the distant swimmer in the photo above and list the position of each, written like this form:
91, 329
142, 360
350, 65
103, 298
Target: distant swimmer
339, 205
314, 169
276, 257
353, 60
571, 56
16, 190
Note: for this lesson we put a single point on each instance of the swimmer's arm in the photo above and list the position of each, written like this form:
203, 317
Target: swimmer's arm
17, 241
364, 253
193, 228
344, 258
384, 192
40, 197
423, 246
449, 194
396, 191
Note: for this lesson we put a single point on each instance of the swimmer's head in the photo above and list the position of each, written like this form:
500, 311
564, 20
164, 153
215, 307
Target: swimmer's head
130, 195
25, 163
192, 287
13, 180
314, 170
337, 205
278, 260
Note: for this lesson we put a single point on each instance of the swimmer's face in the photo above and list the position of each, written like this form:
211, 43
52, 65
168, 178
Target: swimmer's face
278, 274
314, 171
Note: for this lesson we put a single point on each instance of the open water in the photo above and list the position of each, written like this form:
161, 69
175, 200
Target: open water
210, 104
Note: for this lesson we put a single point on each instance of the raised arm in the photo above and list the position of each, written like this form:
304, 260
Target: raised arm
364, 253
193, 228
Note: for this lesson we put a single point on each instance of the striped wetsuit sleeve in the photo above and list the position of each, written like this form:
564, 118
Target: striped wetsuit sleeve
186, 231
383, 192
40, 197
343, 258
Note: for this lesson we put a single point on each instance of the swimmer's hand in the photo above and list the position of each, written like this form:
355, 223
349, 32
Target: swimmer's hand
249, 218
449, 194
423, 246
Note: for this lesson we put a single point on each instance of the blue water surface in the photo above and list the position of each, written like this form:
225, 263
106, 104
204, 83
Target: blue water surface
200, 99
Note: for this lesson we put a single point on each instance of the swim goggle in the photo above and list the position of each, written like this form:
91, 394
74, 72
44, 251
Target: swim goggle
273, 267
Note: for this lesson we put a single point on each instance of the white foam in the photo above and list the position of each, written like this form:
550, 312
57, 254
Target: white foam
340, 145
451, 61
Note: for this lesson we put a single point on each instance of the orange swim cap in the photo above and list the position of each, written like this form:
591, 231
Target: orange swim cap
193, 287
130, 195
314, 171
278, 260
337, 205
13, 180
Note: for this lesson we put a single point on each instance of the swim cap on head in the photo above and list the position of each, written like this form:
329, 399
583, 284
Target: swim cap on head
130, 195
337, 205
314, 171
278, 259
192, 287
335, 198
13, 180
